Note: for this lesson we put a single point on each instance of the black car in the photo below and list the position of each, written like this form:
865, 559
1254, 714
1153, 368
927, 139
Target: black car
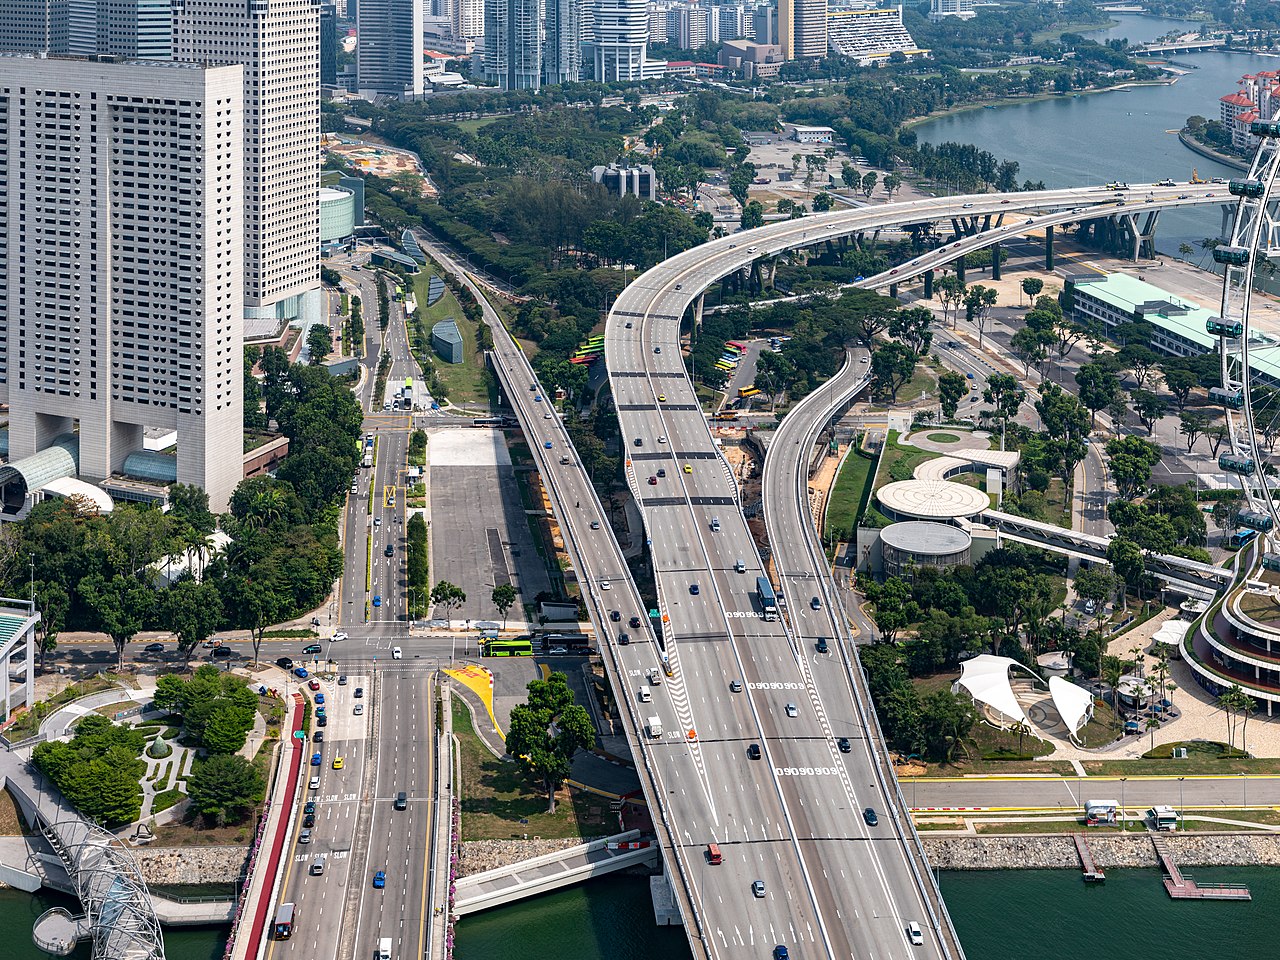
615, 615
153, 648
624, 638
359, 692
318, 737
309, 820
844, 745
634, 623
311, 648
284, 663
221, 653
322, 721
310, 807
638, 441
753, 752
662, 471
869, 815
390, 551
821, 645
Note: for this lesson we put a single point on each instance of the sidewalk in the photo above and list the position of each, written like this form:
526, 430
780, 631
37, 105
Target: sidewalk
260, 893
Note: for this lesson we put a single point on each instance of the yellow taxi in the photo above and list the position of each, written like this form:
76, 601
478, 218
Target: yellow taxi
337, 763
662, 398
688, 469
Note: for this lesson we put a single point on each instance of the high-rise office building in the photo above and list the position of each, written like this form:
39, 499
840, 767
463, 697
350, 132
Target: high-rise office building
277, 41
389, 48
137, 29
765, 20
328, 45
621, 43
531, 42
467, 19
120, 271
802, 29
33, 26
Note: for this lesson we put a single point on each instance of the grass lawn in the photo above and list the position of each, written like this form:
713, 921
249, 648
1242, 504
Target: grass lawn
465, 382
898, 462
1029, 826
1260, 606
498, 802
846, 495
1194, 765
1103, 728
471, 126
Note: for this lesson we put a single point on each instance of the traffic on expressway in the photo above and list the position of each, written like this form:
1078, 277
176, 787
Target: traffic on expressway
853, 881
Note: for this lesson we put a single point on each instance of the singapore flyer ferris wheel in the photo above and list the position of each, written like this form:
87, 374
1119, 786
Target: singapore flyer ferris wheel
1252, 408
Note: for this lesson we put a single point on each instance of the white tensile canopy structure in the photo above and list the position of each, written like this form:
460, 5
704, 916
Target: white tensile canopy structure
986, 679
1075, 704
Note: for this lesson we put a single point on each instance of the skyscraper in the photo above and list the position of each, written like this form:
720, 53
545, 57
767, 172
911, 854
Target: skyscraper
621, 43
562, 47
939, 10
467, 19
34, 26
389, 48
277, 41
120, 274
328, 45
531, 42
137, 29
802, 29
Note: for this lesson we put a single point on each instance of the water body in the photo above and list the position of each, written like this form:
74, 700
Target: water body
1053, 915
18, 911
1117, 135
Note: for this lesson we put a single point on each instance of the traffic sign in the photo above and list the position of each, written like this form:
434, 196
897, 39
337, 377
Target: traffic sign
299, 735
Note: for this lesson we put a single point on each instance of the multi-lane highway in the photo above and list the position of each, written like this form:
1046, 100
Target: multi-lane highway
851, 889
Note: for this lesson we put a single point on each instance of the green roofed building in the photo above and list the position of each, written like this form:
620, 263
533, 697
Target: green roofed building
1178, 325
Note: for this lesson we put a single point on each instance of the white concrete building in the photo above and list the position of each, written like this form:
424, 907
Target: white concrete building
620, 49
467, 19
138, 29
687, 25
939, 10
870, 35
389, 48
278, 43
513, 34
121, 270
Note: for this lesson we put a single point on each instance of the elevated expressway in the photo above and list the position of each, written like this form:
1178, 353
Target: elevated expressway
835, 887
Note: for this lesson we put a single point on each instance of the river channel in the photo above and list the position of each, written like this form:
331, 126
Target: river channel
1117, 135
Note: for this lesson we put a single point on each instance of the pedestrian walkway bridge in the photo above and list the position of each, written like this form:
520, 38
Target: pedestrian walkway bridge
119, 916
551, 871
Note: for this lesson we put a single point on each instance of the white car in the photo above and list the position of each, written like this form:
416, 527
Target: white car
338, 637
396, 654
606, 585
914, 934
662, 439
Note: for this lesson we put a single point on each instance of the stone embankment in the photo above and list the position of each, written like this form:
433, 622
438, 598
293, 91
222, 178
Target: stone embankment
477, 856
168, 866
1059, 852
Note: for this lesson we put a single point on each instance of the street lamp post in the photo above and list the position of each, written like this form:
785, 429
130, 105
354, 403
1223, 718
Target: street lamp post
1123, 781
1244, 779
1182, 805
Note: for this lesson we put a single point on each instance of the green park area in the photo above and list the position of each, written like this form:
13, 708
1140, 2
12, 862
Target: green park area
463, 383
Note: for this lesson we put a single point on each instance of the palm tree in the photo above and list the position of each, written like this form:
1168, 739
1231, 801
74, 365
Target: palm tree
1153, 725
1246, 706
1227, 704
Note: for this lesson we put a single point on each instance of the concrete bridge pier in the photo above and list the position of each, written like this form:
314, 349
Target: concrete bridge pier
928, 284
893, 290
995, 260
959, 265
1048, 248
697, 312
1142, 239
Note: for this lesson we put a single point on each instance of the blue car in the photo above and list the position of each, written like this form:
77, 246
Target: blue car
377, 599
780, 953
315, 759
319, 698
537, 398
547, 444
379, 880
300, 673
968, 376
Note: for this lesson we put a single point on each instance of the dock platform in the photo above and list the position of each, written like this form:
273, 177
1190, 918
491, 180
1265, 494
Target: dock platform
1090, 869
1184, 888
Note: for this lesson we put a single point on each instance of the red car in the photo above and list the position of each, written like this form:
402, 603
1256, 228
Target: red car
314, 685
653, 481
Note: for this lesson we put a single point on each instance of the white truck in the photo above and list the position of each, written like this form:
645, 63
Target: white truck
384, 949
654, 725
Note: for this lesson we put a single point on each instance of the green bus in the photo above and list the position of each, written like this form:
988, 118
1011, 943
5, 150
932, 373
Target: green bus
507, 648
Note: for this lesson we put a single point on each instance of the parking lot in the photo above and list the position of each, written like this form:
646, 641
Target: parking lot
480, 535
